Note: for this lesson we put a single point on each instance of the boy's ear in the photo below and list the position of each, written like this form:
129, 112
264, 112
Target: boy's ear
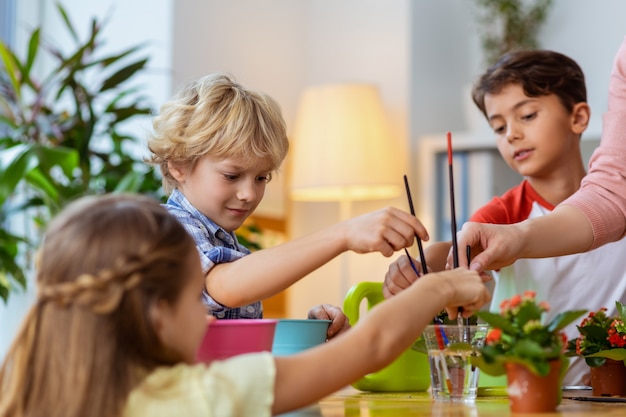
176, 171
580, 117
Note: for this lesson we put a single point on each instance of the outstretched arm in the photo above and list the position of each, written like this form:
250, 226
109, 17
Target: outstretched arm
269, 271
563, 231
602, 194
385, 332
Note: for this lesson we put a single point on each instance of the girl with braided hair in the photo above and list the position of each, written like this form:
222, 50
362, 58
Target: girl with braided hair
118, 319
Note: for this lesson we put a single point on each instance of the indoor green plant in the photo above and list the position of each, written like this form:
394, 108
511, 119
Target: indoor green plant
601, 337
602, 342
62, 134
518, 339
506, 25
517, 334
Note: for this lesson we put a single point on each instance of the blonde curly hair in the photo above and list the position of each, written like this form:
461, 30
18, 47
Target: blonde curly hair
216, 116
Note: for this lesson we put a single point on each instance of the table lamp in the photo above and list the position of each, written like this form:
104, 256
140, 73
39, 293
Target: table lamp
342, 150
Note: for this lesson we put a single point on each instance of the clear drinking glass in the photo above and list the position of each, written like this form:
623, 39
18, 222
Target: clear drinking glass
450, 347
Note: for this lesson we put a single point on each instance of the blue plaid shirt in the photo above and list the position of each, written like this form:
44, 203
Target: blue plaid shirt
215, 246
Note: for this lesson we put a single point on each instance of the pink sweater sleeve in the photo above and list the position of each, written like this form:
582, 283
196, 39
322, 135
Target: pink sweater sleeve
602, 195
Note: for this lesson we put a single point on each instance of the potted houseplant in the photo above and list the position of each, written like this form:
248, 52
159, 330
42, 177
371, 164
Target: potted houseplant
503, 26
507, 25
62, 135
602, 342
529, 352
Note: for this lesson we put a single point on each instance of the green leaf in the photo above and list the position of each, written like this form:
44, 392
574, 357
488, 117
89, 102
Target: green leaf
617, 354
621, 311
39, 181
527, 348
595, 362
105, 62
5, 286
563, 319
131, 182
15, 163
65, 158
33, 47
496, 321
123, 75
490, 368
528, 312
8, 60
68, 23
420, 345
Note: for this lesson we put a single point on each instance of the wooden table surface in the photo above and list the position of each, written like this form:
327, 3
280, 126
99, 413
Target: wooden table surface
350, 402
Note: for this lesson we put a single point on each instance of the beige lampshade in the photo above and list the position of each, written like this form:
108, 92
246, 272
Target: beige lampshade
341, 146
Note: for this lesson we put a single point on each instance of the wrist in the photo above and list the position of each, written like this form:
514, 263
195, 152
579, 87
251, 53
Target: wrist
523, 232
439, 285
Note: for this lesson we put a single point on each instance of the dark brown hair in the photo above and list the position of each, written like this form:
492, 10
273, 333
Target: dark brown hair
538, 72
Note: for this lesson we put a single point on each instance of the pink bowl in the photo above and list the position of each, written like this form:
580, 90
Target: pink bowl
226, 338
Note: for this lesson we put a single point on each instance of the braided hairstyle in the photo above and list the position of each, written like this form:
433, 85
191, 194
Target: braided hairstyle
88, 340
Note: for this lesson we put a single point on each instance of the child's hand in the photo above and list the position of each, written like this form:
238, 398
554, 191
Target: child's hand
467, 290
339, 323
384, 231
399, 276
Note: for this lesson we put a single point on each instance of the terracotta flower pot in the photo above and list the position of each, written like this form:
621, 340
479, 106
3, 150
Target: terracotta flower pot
609, 379
530, 393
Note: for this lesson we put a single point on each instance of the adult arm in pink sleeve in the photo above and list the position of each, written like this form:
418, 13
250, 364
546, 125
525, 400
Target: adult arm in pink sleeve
602, 195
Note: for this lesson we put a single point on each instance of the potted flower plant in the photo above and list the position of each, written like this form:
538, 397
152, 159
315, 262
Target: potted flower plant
529, 352
602, 342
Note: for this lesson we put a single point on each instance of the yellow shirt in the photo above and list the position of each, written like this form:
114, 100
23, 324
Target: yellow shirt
240, 386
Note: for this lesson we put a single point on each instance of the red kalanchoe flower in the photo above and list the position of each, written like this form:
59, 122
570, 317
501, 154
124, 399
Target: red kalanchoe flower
563, 341
515, 301
600, 332
617, 341
530, 294
493, 336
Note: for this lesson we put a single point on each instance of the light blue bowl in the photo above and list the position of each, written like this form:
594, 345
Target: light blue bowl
295, 335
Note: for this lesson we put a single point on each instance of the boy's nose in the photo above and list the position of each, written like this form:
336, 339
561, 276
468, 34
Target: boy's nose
513, 133
246, 192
